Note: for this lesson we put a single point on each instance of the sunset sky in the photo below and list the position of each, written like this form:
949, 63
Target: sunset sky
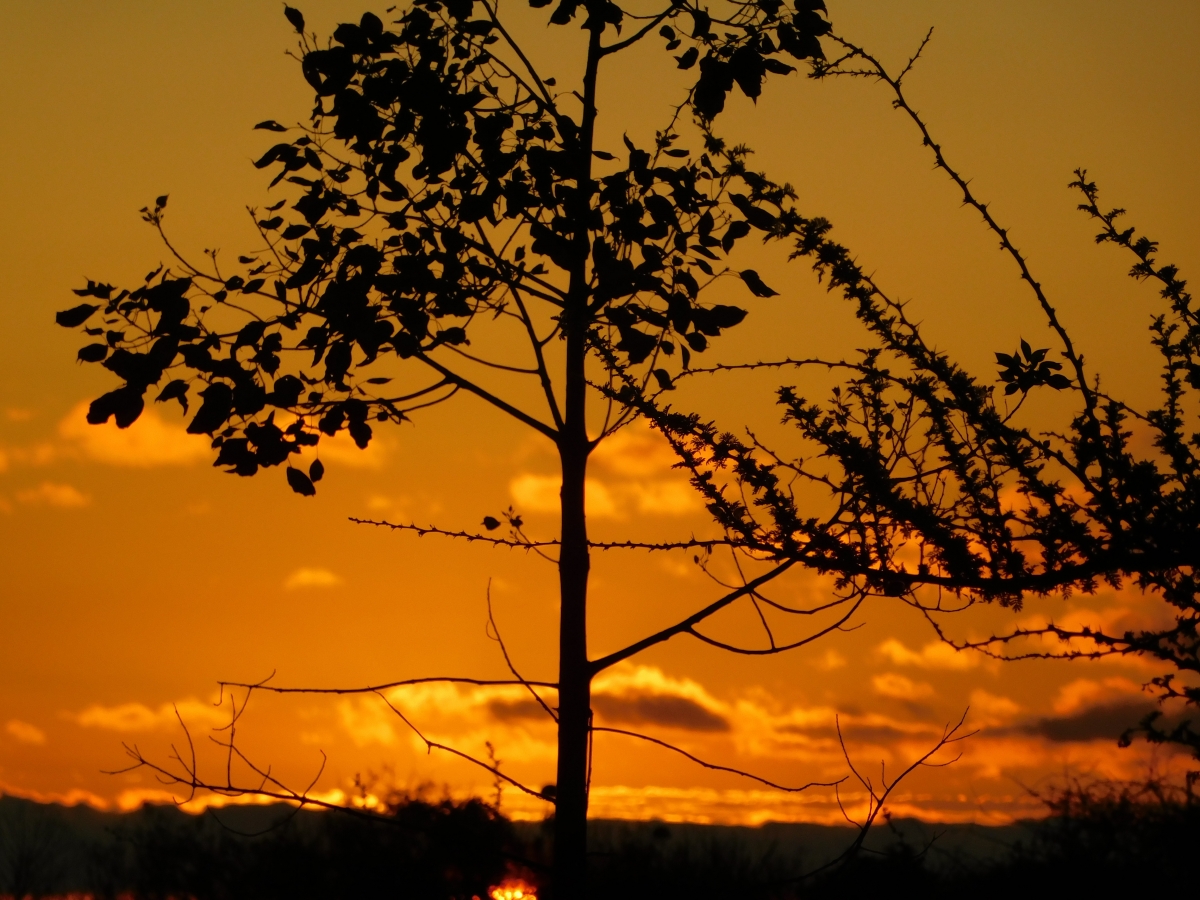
136, 576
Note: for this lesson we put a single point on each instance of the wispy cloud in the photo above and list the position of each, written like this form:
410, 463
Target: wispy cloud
342, 450
898, 687
539, 493
632, 474
608, 498
635, 451
1083, 693
148, 442
992, 709
366, 721
644, 695
51, 493
830, 660
24, 732
935, 655
312, 578
789, 742
135, 717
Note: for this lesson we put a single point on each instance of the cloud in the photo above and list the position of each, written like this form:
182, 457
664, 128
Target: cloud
462, 716
508, 710
61, 495
342, 450
669, 712
636, 451
992, 709
643, 695
1091, 710
935, 655
367, 721
631, 473
607, 499
539, 493
1106, 722
311, 578
148, 442
131, 717
1085, 692
831, 660
889, 684
24, 732
33, 455
665, 498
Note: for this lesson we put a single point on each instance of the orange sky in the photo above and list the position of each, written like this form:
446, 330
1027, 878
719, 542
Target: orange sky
136, 576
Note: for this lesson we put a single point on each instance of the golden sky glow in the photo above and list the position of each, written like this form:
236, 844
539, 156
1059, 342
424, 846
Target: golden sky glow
135, 576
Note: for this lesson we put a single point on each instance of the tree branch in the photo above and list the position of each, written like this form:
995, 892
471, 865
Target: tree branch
603, 663
714, 766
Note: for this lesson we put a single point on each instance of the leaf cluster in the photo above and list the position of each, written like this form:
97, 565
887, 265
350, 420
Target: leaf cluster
442, 183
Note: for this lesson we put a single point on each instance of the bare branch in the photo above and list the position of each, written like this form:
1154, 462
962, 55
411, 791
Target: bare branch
686, 625
495, 635
434, 745
376, 688
714, 766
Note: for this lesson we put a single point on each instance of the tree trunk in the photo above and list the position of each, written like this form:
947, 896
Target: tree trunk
574, 677
574, 668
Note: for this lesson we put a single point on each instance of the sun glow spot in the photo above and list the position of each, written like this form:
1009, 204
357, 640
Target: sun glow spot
513, 889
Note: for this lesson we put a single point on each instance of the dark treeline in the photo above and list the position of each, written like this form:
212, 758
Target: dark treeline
1103, 838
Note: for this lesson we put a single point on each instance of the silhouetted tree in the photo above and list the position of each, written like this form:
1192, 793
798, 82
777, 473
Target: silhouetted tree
444, 188
942, 494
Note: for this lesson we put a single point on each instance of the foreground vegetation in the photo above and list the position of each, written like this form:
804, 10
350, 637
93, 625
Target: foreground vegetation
1103, 838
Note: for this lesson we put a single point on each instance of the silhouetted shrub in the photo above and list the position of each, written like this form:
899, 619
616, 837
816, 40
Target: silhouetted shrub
442, 850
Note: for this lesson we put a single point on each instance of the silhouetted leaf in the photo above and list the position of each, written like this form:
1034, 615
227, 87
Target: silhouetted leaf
214, 412
93, 353
756, 216
175, 390
316, 471
300, 482
94, 289
76, 315
756, 285
124, 403
270, 125
564, 12
491, 523
295, 17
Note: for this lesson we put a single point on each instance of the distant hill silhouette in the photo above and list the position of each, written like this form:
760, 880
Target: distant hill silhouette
1100, 840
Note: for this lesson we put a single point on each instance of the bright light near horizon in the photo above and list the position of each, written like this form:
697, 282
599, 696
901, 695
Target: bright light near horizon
513, 889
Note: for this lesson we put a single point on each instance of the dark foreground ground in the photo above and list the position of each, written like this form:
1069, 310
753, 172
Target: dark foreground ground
1106, 841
